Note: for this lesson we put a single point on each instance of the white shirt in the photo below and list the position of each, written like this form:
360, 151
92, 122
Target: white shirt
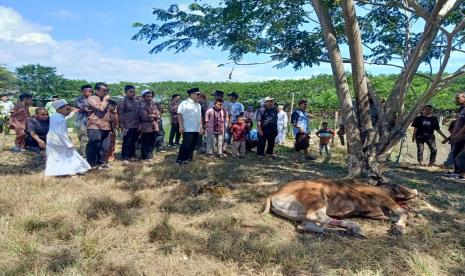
282, 118
6, 107
191, 115
235, 109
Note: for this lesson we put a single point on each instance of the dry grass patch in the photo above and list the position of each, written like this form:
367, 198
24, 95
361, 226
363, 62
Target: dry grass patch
423, 265
202, 219
96, 207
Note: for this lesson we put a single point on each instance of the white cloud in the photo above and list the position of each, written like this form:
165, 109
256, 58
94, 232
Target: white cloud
64, 14
22, 42
13, 28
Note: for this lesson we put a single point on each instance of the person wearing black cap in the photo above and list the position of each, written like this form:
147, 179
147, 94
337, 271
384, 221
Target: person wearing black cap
81, 117
190, 125
218, 95
129, 121
267, 125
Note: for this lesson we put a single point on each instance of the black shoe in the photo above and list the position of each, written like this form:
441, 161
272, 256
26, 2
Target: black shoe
310, 158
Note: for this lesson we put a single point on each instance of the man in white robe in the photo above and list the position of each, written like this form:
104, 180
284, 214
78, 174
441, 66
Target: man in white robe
282, 125
62, 157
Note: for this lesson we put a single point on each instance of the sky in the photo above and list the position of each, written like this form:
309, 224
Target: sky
91, 40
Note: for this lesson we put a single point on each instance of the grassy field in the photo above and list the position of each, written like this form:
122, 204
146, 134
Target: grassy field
202, 219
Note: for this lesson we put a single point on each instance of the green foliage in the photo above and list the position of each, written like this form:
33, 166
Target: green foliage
7, 79
287, 31
41, 81
319, 90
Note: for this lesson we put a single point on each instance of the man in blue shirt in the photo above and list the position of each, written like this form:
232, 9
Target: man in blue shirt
301, 128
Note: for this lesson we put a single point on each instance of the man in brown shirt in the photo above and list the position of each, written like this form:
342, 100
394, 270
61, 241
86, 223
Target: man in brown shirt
128, 117
149, 117
98, 126
175, 135
18, 120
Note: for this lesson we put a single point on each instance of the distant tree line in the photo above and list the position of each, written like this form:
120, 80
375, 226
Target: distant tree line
44, 82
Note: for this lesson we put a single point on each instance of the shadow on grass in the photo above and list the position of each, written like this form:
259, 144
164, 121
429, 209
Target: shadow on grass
93, 208
261, 246
20, 163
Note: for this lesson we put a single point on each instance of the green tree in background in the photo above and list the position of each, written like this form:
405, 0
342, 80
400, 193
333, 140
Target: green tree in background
41, 81
7, 80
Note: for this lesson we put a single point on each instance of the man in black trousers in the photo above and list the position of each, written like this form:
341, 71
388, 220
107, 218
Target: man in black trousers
423, 132
267, 125
175, 136
128, 118
190, 125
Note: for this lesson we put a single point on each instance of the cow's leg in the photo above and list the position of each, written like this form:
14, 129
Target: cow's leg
398, 216
400, 219
320, 216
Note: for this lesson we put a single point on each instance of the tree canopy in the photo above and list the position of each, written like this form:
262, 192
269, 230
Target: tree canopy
7, 80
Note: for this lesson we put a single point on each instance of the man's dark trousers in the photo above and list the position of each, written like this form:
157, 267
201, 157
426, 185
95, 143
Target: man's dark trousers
269, 136
186, 151
147, 144
456, 151
128, 150
431, 143
99, 142
175, 136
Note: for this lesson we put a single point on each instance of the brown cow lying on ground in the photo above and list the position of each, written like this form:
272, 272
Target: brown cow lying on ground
326, 202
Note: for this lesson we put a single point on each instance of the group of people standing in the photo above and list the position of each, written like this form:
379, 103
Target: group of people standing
224, 126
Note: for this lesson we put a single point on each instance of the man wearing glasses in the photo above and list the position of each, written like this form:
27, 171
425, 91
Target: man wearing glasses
190, 125
98, 126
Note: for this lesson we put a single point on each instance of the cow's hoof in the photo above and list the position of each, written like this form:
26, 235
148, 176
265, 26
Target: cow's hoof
356, 232
397, 230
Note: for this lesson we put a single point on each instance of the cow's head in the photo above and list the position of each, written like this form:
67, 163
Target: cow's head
399, 193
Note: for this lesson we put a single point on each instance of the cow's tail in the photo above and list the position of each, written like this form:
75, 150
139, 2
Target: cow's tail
266, 206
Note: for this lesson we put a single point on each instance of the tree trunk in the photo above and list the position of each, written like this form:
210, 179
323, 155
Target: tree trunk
370, 140
356, 163
360, 82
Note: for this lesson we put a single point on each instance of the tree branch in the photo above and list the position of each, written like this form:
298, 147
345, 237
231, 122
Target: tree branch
432, 90
397, 96
451, 78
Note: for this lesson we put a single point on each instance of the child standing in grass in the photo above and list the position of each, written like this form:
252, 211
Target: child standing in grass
239, 131
113, 124
325, 134
215, 119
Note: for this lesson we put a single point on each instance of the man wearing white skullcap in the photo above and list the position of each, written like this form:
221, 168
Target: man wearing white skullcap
62, 157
